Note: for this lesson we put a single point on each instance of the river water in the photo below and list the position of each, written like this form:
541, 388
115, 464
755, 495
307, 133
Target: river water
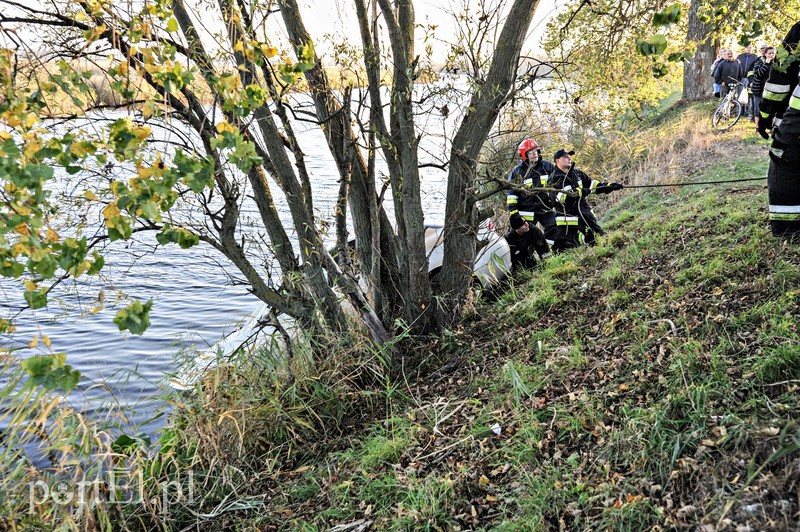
195, 303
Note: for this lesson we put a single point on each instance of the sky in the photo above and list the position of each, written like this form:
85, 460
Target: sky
335, 16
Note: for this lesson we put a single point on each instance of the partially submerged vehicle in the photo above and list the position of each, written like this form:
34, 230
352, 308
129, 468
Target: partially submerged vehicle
492, 266
492, 263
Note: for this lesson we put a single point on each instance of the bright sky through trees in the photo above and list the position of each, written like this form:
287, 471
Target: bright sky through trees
337, 17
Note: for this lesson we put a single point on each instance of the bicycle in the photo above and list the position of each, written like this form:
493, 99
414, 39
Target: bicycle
729, 110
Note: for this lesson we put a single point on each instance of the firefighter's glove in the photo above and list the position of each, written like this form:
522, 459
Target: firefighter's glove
764, 126
607, 188
776, 152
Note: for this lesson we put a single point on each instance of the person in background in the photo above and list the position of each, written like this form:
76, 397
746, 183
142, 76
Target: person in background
574, 216
727, 73
717, 61
524, 238
532, 172
747, 58
761, 70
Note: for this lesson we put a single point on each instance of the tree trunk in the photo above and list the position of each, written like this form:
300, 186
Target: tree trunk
341, 139
459, 225
697, 80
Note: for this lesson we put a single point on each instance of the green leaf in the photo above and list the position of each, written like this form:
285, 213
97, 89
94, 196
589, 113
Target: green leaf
125, 444
172, 25
51, 372
134, 318
667, 16
36, 299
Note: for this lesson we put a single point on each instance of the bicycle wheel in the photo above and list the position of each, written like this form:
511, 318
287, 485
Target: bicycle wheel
726, 115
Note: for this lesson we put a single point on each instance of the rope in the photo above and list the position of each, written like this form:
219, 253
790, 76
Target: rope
697, 183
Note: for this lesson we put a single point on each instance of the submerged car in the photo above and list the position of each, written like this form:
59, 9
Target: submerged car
492, 263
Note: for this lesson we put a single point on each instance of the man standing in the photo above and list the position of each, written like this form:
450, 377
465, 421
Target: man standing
728, 72
532, 172
574, 216
747, 59
524, 238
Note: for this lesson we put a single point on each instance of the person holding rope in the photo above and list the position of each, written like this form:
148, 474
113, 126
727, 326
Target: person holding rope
532, 172
575, 220
780, 113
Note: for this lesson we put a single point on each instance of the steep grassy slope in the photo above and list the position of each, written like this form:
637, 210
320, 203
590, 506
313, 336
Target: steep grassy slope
650, 381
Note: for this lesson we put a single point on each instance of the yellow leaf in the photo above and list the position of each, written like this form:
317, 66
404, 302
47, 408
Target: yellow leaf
90, 195
269, 51
52, 237
149, 109
31, 148
111, 211
33, 343
489, 498
483, 481
225, 127
624, 387
78, 149
239, 46
46, 341
142, 132
144, 172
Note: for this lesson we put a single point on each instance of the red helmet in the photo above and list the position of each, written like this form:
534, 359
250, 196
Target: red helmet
525, 146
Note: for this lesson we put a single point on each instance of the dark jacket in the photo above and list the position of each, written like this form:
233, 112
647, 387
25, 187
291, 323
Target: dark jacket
534, 207
747, 61
527, 176
575, 219
779, 85
727, 70
783, 178
524, 245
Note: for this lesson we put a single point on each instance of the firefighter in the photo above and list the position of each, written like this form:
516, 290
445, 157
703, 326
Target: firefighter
780, 112
532, 172
524, 238
574, 216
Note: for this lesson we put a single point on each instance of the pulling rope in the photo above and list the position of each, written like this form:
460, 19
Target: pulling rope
697, 183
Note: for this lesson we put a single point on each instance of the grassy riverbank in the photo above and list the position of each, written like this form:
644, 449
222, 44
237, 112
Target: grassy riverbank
648, 382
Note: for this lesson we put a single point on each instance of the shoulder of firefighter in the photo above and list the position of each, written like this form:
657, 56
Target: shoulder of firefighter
781, 90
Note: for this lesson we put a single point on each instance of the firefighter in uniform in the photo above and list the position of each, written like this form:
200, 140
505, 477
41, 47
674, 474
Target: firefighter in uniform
575, 219
780, 112
524, 238
532, 172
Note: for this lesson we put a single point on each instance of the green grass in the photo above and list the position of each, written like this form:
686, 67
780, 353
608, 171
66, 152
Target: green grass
650, 382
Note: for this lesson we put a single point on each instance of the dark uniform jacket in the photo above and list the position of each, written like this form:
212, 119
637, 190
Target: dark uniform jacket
781, 107
534, 207
574, 216
523, 247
